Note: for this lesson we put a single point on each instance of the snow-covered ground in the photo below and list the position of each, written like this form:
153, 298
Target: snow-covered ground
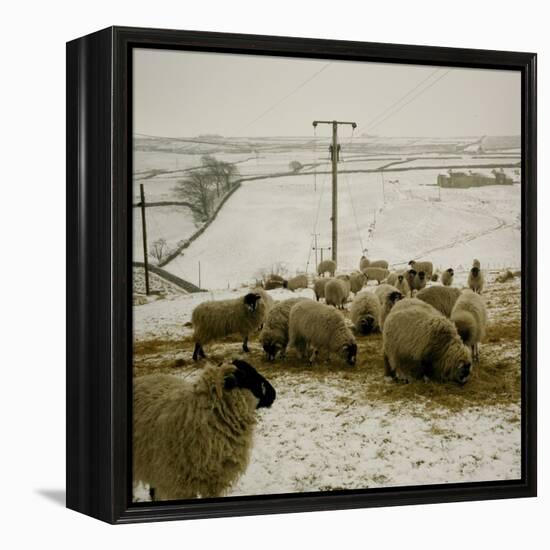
334, 427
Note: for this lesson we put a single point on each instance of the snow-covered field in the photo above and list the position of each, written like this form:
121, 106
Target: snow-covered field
335, 427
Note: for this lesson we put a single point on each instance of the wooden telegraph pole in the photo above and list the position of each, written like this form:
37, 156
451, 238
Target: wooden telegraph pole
334, 155
144, 235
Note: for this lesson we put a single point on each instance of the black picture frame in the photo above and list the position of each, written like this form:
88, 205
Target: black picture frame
99, 273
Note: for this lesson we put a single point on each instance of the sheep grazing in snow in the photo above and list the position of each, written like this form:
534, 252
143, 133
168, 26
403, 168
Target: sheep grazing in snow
447, 277
470, 318
357, 281
337, 292
376, 273
476, 281
217, 319
426, 267
420, 280
274, 335
319, 287
443, 298
419, 342
300, 281
315, 327
326, 266
365, 312
194, 439
365, 262
387, 295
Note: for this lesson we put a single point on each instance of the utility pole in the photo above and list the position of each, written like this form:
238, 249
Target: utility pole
144, 235
315, 235
335, 155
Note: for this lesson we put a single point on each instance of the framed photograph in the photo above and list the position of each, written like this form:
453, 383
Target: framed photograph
301, 274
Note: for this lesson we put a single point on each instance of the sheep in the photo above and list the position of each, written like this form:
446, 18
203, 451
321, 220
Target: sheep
420, 280
319, 287
337, 292
216, 319
447, 277
266, 297
418, 341
476, 280
376, 273
357, 281
410, 276
365, 262
194, 439
365, 312
326, 266
442, 298
314, 327
402, 285
426, 267
387, 295
274, 335
391, 279
470, 318
435, 277
300, 281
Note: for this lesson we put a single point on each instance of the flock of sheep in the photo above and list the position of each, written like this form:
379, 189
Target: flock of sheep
194, 438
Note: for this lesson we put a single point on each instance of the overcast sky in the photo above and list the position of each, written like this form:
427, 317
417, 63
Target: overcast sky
178, 93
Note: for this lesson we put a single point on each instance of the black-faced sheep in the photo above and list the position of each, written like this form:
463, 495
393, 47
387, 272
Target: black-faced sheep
376, 273
447, 277
470, 318
326, 266
337, 292
418, 342
387, 295
443, 298
194, 439
476, 281
410, 276
217, 319
420, 280
294, 283
315, 327
426, 267
365, 312
274, 335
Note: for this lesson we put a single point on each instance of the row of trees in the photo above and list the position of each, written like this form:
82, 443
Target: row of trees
205, 186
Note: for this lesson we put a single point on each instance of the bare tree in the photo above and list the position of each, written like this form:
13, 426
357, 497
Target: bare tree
197, 189
158, 249
295, 165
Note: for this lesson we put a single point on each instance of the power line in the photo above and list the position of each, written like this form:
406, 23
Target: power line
395, 103
412, 99
276, 104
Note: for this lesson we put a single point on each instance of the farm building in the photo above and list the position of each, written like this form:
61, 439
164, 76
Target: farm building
462, 180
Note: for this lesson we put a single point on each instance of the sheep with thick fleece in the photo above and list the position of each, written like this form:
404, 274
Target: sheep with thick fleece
420, 280
194, 439
274, 335
418, 341
410, 276
443, 298
337, 292
294, 283
365, 312
217, 319
315, 327
266, 297
426, 267
402, 285
447, 277
476, 280
376, 273
319, 287
357, 281
365, 262
470, 318
326, 266
387, 295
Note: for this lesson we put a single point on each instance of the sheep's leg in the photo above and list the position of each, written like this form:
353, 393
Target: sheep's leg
313, 356
152, 495
245, 344
198, 352
388, 371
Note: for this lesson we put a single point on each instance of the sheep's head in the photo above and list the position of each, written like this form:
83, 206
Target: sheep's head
349, 353
366, 324
475, 271
421, 275
271, 349
251, 301
400, 277
412, 263
411, 272
247, 377
450, 271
